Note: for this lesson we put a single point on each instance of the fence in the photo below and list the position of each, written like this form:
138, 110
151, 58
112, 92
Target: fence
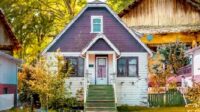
6, 101
170, 98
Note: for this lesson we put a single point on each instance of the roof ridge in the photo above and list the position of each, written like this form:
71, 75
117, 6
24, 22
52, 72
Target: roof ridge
96, 2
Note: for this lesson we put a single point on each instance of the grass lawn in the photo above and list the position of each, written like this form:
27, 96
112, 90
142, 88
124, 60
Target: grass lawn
134, 109
161, 109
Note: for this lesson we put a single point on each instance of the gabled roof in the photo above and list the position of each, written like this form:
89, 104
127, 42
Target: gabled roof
100, 36
97, 5
9, 57
194, 3
8, 29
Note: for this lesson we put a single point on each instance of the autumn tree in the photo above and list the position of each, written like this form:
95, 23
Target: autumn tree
37, 22
118, 5
193, 95
174, 55
48, 84
166, 62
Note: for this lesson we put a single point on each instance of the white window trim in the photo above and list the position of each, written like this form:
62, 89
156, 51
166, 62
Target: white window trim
94, 17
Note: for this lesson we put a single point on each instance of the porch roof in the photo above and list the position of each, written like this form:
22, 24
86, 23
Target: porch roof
94, 45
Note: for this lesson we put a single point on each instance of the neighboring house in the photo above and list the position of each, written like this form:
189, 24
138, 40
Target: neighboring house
8, 64
195, 66
103, 51
164, 21
189, 74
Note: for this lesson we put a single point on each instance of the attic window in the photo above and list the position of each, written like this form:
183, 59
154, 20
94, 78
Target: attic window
96, 24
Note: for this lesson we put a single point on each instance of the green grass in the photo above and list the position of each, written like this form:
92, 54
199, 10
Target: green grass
160, 109
133, 109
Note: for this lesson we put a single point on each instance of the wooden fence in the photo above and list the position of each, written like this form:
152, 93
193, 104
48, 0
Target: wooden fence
170, 98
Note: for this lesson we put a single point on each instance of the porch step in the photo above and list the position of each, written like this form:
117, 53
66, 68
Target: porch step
100, 104
100, 109
100, 98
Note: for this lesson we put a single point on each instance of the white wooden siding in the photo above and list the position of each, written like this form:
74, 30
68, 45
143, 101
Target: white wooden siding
6, 101
130, 90
133, 90
8, 71
74, 84
196, 62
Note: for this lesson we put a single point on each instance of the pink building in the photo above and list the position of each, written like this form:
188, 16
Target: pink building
195, 67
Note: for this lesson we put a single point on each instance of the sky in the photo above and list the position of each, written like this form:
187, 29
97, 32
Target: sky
94, 0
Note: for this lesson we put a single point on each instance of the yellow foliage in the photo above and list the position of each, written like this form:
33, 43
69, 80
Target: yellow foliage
48, 85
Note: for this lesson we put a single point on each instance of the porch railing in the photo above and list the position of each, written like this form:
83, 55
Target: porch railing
114, 86
186, 70
86, 84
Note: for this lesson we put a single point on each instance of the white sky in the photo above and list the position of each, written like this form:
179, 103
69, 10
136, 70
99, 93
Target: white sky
94, 0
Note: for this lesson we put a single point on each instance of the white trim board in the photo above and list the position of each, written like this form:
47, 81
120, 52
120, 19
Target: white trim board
100, 52
65, 53
100, 36
114, 14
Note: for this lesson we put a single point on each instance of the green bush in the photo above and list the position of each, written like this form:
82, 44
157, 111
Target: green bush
68, 103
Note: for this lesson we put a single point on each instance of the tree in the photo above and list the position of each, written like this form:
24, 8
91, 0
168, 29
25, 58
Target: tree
37, 22
44, 82
166, 62
118, 5
174, 56
193, 95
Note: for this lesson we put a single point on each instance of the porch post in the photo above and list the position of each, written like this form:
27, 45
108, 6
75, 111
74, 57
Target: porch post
114, 76
86, 62
86, 77
114, 63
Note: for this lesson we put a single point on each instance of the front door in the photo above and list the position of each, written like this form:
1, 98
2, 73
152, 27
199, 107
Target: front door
101, 70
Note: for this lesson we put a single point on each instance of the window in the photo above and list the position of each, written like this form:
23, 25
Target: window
5, 90
127, 67
97, 24
77, 66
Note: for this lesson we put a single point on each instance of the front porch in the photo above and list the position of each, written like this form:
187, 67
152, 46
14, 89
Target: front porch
100, 76
100, 67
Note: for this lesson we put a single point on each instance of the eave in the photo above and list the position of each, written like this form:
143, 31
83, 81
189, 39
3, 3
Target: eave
193, 3
166, 29
9, 31
9, 57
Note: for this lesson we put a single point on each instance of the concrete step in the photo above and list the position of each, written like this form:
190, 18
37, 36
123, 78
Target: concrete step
99, 109
100, 104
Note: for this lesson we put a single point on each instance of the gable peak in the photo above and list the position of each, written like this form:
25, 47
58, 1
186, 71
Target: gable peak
96, 2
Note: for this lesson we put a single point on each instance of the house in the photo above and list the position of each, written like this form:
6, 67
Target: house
164, 21
8, 65
195, 64
104, 53
190, 73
